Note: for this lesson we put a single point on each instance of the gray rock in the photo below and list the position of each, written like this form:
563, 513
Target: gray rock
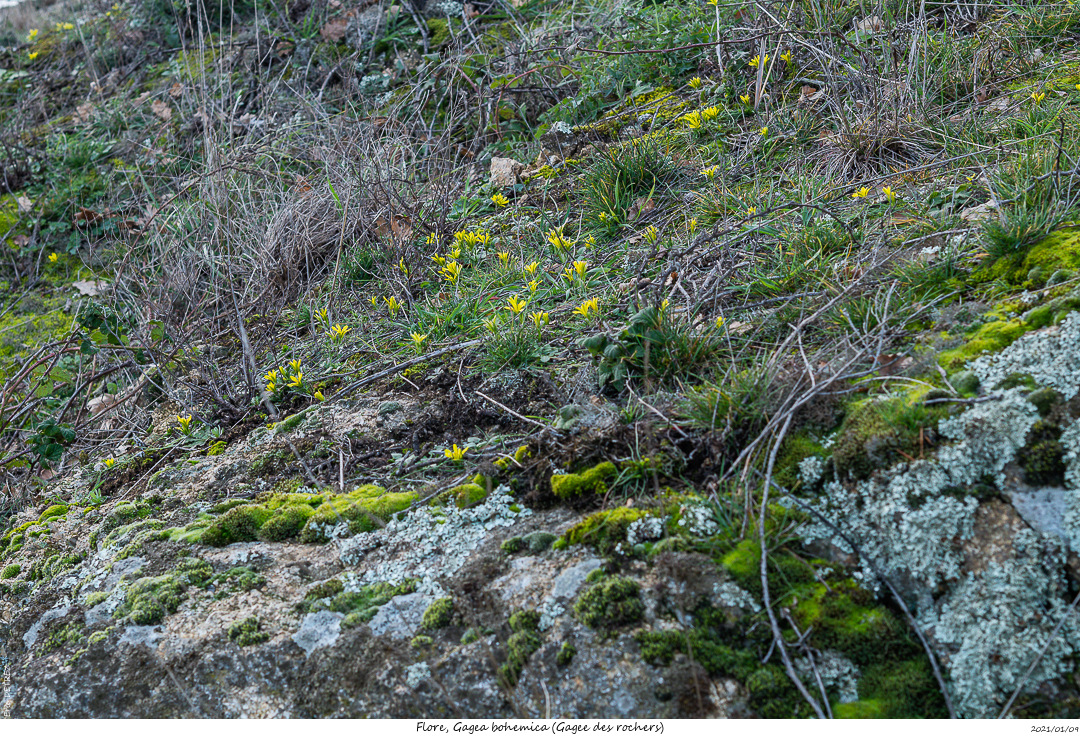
319, 629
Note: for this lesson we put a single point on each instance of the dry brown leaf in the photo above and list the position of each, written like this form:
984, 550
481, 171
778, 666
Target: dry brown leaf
335, 29
90, 288
24, 203
83, 113
176, 90
161, 110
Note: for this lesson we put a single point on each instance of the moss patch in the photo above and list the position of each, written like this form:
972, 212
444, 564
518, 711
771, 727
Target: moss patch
524, 641
285, 516
439, 614
604, 530
591, 481
247, 632
611, 603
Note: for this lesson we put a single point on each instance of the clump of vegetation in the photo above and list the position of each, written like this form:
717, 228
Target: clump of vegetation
522, 643
610, 603
247, 632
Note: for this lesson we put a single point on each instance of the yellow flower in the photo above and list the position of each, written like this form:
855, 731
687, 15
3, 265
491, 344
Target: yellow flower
53, 258
588, 306
439, 260
110, 462
319, 396
271, 375
590, 241
454, 254
787, 56
751, 211
744, 99
695, 83
710, 172
568, 274
401, 265
33, 34
296, 379
418, 340
533, 285
432, 239
756, 60
580, 267
1078, 86
888, 192
516, 305
692, 225
693, 120
555, 238
66, 26
531, 268
504, 258
860, 193
455, 454
271, 387
540, 319
709, 113
1038, 97
651, 234
295, 365
451, 272
764, 130
719, 321
338, 333
500, 200
374, 301
33, 55
392, 304
482, 239
185, 424
713, 2
322, 316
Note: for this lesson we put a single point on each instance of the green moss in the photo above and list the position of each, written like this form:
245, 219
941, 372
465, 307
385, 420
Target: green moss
290, 423
10, 571
364, 510
877, 434
468, 495
286, 523
150, 599
422, 642
605, 529
989, 338
795, 448
786, 570
278, 516
846, 618
246, 632
53, 512
539, 541
591, 481
524, 641
438, 32
520, 455
239, 524
896, 690
70, 634
357, 606
613, 602
512, 545
1043, 456
92, 600
217, 448
566, 654
439, 614
240, 578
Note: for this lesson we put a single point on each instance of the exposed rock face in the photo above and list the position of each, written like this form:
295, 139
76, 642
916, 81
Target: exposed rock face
505, 172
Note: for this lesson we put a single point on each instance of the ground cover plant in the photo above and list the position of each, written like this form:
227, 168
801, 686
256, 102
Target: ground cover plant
773, 303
